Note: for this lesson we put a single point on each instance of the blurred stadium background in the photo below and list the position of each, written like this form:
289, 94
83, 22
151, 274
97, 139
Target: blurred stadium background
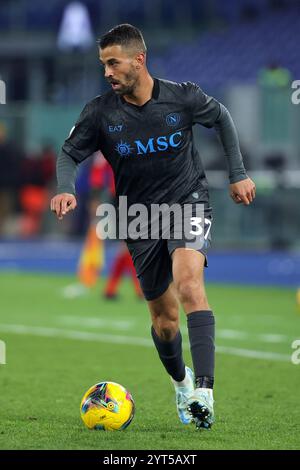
243, 52
246, 54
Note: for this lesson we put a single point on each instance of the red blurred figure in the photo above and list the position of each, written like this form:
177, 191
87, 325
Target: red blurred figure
122, 264
91, 260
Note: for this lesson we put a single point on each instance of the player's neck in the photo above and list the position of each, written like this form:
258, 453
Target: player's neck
142, 92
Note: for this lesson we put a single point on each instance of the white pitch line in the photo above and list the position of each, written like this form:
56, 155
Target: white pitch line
273, 338
130, 340
97, 322
127, 323
72, 291
232, 334
268, 355
74, 334
245, 336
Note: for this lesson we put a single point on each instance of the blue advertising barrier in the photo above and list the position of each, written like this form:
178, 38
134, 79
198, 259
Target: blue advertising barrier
255, 268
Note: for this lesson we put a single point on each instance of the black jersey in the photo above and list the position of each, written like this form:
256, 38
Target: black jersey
151, 148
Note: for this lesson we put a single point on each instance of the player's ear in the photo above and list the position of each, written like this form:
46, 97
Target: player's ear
140, 60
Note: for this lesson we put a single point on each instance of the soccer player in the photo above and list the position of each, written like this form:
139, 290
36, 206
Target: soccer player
144, 127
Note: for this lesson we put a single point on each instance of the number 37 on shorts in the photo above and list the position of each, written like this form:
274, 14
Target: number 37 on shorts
199, 233
200, 227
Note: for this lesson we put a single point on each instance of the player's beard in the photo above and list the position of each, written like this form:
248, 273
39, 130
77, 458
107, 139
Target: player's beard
128, 86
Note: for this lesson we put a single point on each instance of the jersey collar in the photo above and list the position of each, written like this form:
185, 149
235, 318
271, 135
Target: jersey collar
155, 91
155, 95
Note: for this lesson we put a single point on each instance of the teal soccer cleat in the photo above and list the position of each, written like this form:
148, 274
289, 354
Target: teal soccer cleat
201, 407
183, 393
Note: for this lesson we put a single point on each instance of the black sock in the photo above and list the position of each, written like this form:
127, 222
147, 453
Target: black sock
170, 354
201, 327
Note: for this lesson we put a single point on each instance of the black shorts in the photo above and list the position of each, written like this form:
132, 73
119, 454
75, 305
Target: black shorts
152, 258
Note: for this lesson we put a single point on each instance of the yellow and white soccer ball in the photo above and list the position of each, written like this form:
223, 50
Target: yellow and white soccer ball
107, 406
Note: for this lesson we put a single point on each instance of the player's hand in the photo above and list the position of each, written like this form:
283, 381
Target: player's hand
243, 191
61, 204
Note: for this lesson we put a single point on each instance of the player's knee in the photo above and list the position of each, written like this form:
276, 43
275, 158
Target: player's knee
165, 322
166, 329
186, 288
161, 317
164, 310
190, 291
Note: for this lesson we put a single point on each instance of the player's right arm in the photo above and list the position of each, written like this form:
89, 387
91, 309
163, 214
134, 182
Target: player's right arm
81, 143
63, 203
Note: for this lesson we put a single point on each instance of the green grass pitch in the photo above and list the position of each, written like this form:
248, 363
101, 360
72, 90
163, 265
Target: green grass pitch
57, 347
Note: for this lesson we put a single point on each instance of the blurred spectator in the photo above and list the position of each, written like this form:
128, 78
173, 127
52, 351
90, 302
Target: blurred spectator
102, 189
121, 266
97, 179
38, 169
75, 30
10, 158
279, 207
274, 76
275, 82
38, 172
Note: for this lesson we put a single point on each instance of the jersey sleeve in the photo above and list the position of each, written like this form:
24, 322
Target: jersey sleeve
83, 139
205, 109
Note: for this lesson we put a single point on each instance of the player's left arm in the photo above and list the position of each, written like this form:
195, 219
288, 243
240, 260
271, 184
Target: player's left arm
208, 112
243, 191
241, 188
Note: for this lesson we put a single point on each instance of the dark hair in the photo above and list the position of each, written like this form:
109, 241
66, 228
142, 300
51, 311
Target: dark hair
124, 35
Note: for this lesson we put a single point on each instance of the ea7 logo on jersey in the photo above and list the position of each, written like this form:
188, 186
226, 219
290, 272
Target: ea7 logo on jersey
115, 128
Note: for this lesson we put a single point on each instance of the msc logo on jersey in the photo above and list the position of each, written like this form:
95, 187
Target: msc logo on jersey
173, 119
153, 145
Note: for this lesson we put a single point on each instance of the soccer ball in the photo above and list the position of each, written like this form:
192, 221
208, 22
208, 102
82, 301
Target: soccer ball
107, 406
